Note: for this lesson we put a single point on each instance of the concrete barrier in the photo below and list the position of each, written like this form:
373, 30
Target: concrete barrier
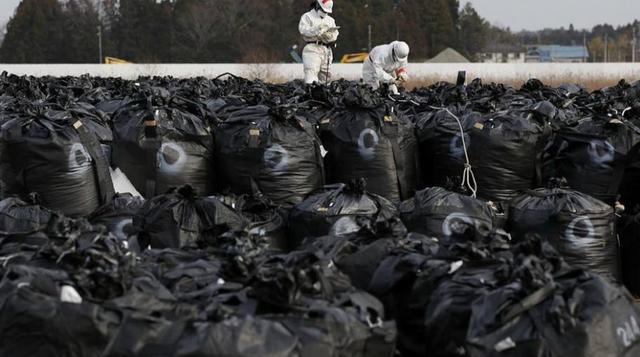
284, 72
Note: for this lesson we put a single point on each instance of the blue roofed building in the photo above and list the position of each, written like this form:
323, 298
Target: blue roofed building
556, 53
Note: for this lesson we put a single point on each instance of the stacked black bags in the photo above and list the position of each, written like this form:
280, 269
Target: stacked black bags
315, 216
366, 138
163, 141
269, 150
58, 154
581, 227
439, 213
593, 155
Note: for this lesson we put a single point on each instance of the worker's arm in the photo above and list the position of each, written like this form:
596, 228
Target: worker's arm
381, 74
308, 29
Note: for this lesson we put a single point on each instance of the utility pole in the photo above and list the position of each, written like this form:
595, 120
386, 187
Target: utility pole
100, 44
586, 49
606, 47
100, 58
633, 45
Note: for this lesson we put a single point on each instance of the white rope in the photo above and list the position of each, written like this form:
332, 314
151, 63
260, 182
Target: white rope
468, 177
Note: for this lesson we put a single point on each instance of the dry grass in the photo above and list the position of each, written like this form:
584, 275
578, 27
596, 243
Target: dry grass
267, 73
590, 84
264, 72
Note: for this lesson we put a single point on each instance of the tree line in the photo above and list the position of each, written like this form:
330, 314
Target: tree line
247, 31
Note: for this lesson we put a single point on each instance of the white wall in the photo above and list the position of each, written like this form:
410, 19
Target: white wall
493, 71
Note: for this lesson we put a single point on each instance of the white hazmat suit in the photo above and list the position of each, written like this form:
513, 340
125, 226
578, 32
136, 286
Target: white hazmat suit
320, 32
386, 64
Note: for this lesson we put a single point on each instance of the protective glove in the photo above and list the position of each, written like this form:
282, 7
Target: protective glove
329, 36
393, 89
322, 29
402, 75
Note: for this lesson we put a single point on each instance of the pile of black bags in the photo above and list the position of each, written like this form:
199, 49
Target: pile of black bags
228, 217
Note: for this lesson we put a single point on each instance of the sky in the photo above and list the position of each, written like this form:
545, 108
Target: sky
7, 8
539, 14
518, 14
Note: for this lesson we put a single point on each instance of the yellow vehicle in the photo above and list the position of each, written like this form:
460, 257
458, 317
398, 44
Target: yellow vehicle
354, 57
113, 60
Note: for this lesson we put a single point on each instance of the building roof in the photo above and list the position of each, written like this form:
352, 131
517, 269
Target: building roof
449, 55
549, 52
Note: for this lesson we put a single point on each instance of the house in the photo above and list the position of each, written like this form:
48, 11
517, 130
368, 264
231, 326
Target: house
502, 54
555, 53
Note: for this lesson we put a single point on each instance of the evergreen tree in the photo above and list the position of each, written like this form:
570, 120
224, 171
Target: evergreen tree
34, 34
473, 31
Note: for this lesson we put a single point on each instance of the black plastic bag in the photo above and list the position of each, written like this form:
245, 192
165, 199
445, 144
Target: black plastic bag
21, 218
579, 315
269, 150
58, 155
441, 148
267, 220
629, 230
580, 227
159, 145
439, 213
117, 216
366, 139
33, 323
593, 155
315, 216
505, 154
181, 218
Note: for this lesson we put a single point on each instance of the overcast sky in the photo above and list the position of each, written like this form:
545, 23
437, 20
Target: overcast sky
518, 14
539, 14
7, 7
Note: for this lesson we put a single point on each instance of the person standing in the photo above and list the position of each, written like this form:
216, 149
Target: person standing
320, 32
387, 64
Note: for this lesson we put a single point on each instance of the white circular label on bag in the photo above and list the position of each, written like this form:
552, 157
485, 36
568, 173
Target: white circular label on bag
78, 156
171, 157
118, 230
367, 142
455, 224
580, 228
602, 153
276, 158
456, 147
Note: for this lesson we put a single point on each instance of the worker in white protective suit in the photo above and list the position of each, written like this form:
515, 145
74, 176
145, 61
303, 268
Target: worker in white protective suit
320, 32
387, 64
